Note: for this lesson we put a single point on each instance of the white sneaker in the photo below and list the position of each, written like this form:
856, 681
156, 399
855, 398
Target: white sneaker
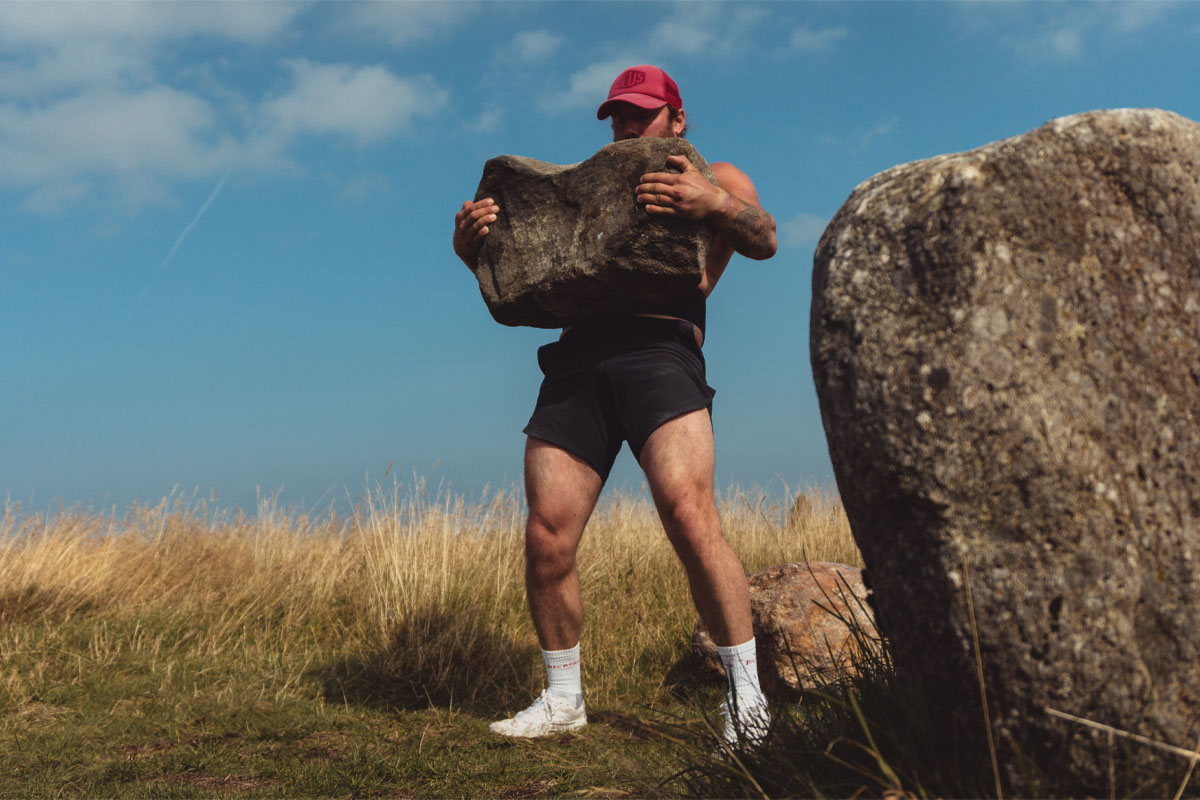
550, 714
749, 725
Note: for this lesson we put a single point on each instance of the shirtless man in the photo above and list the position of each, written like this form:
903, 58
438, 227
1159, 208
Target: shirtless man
638, 378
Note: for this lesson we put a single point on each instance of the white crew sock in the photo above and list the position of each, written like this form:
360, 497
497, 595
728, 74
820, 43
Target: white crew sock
562, 668
741, 667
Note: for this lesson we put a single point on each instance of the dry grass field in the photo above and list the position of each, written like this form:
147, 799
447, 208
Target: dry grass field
176, 651
180, 652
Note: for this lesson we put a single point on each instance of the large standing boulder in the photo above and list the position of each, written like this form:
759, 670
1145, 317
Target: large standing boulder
1006, 347
571, 241
803, 616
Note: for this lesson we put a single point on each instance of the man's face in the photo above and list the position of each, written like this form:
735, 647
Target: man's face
632, 122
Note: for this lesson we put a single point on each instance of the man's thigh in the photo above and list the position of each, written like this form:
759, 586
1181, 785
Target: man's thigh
561, 487
678, 459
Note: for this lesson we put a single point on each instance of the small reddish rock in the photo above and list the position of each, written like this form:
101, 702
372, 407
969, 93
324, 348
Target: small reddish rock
800, 614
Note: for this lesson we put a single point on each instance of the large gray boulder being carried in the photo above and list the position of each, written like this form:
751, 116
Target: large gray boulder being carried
571, 241
1006, 347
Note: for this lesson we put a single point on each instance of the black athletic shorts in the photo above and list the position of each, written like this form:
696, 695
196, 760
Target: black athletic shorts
617, 379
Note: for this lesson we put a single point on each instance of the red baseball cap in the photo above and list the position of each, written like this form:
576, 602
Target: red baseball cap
644, 86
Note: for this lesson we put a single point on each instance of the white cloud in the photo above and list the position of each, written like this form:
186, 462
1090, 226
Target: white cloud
1060, 44
135, 142
55, 197
691, 29
1061, 32
1133, 16
364, 103
403, 22
534, 45
879, 130
709, 30
488, 121
92, 99
84, 64
135, 190
50, 47
588, 86
54, 23
807, 40
803, 229
360, 189
717, 30
861, 138
87, 108
1066, 43
110, 133
58, 23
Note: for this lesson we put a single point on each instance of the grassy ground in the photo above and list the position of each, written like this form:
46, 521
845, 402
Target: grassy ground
178, 653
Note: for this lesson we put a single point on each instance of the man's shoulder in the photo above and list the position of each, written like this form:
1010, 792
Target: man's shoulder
723, 169
733, 180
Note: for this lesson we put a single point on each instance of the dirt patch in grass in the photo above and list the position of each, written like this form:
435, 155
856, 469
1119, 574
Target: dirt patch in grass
136, 750
534, 787
213, 738
230, 784
633, 726
325, 746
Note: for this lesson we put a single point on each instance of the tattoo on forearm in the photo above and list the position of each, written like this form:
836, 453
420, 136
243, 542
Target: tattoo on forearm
752, 233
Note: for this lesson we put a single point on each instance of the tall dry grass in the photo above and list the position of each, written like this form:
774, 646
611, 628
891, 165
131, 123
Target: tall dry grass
411, 600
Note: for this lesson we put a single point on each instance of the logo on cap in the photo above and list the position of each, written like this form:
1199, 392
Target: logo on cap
630, 77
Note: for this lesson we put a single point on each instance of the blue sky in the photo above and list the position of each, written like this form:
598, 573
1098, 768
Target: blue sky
225, 258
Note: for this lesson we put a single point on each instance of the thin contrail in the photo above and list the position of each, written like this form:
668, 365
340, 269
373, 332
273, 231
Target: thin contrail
179, 241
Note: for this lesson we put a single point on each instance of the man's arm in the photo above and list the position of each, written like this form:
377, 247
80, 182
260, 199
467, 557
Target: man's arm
470, 226
731, 208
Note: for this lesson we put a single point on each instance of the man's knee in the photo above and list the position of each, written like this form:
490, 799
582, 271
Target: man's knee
691, 521
549, 554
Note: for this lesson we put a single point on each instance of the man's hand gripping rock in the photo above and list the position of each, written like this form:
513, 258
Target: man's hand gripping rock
686, 194
470, 226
